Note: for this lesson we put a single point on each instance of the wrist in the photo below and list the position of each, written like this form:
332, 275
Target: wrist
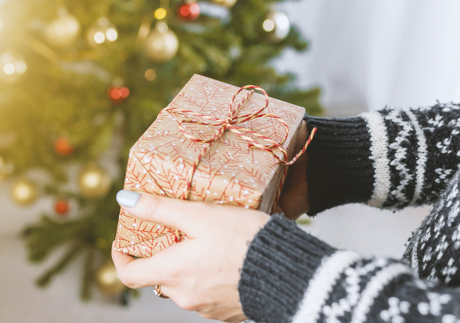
294, 200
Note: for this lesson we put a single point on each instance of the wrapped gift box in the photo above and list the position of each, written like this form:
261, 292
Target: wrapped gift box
229, 172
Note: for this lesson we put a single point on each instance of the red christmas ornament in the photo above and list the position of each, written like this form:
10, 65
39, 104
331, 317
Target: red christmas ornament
63, 147
117, 94
61, 207
189, 11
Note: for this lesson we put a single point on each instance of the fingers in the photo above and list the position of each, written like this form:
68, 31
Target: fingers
180, 214
137, 273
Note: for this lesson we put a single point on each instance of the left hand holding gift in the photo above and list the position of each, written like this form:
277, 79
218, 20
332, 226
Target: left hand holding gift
200, 273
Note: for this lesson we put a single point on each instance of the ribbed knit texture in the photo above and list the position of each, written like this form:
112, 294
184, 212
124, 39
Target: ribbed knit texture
390, 159
339, 168
279, 252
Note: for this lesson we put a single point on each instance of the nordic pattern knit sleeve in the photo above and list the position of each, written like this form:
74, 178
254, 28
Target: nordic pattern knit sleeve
389, 159
290, 276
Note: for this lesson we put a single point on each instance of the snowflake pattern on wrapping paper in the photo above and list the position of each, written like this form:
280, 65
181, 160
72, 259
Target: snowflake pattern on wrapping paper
229, 173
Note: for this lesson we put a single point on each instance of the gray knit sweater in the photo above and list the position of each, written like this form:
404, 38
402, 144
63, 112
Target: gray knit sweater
388, 159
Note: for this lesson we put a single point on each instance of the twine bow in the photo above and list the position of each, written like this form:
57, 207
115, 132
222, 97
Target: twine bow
231, 123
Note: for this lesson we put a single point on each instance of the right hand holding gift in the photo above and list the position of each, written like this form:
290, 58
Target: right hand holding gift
200, 273
294, 200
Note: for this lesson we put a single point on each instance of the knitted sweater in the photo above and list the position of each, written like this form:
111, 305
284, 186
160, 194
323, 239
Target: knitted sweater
388, 159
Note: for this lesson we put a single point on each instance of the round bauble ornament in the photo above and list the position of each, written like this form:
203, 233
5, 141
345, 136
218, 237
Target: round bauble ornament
63, 147
118, 94
107, 280
277, 25
189, 11
93, 182
150, 74
61, 207
102, 33
12, 67
24, 192
162, 44
64, 30
225, 3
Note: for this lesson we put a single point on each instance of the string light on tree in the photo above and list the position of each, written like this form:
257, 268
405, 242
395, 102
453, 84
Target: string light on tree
277, 25
225, 3
61, 207
162, 44
24, 192
12, 67
190, 10
63, 147
117, 93
150, 74
93, 182
102, 33
64, 30
160, 14
107, 280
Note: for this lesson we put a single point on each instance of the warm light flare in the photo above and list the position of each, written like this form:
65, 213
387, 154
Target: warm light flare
150, 74
160, 13
111, 34
21, 67
99, 37
9, 69
92, 179
268, 25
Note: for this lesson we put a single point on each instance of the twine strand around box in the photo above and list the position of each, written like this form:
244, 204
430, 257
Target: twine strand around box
230, 123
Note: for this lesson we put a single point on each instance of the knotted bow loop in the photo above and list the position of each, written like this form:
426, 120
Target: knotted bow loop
231, 123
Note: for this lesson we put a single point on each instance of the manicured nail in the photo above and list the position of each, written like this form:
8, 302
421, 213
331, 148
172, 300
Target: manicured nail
128, 198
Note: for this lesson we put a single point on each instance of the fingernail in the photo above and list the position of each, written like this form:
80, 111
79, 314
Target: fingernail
128, 198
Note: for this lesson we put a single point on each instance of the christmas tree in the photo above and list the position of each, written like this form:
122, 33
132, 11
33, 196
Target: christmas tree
82, 80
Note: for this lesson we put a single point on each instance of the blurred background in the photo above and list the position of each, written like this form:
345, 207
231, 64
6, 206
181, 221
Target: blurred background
81, 81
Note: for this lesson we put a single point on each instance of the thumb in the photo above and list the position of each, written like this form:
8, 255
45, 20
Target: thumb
180, 214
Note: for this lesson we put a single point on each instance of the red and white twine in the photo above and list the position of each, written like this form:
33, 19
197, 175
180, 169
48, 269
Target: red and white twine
231, 123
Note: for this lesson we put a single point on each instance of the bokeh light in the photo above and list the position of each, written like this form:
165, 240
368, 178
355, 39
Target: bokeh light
268, 25
160, 13
150, 74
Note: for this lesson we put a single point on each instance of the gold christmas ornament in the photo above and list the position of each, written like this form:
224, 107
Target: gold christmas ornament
64, 30
162, 44
225, 3
277, 25
102, 33
12, 67
24, 192
107, 280
93, 182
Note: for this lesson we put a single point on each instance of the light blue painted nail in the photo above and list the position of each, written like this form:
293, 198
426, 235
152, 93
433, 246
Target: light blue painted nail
128, 198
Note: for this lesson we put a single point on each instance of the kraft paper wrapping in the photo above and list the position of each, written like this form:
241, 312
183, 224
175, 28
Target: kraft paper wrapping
229, 173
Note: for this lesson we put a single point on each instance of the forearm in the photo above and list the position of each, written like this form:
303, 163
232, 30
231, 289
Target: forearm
289, 276
390, 158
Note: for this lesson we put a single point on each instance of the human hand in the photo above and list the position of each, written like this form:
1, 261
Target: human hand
294, 200
200, 273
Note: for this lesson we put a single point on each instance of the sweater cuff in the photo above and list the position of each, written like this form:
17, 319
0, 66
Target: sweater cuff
340, 169
279, 264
